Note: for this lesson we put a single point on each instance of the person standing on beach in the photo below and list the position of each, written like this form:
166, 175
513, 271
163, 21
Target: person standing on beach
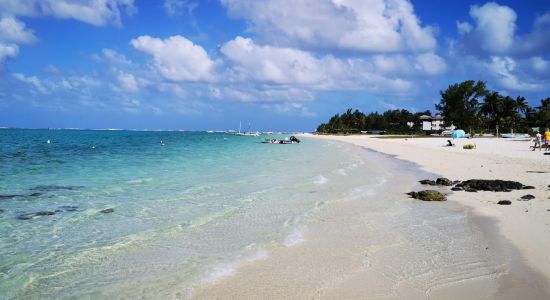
547, 139
538, 141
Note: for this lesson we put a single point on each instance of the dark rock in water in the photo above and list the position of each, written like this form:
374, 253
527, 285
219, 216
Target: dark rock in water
456, 182
504, 202
490, 185
457, 189
68, 208
469, 189
6, 197
50, 188
527, 197
443, 181
428, 195
107, 210
528, 187
30, 216
427, 181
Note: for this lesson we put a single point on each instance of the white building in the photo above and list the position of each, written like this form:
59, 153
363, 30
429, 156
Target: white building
430, 123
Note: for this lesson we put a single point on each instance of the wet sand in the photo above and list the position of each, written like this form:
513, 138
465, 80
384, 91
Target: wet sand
379, 244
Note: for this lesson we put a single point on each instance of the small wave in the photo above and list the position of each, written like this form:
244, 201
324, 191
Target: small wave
220, 272
320, 180
138, 181
341, 172
228, 269
295, 237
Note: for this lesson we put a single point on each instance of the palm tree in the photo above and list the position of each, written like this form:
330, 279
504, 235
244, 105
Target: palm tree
521, 104
492, 108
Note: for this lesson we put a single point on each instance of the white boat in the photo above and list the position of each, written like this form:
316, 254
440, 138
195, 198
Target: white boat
516, 136
245, 133
291, 140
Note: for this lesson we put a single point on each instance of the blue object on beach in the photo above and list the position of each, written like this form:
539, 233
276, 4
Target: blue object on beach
459, 133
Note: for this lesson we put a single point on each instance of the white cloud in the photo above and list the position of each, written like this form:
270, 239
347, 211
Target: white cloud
95, 12
272, 64
539, 64
128, 82
356, 25
504, 70
495, 27
8, 51
430, 64
175, 7
33, 81
289, 67
14, 31
177, 58
113, 56
12, 34
464, 27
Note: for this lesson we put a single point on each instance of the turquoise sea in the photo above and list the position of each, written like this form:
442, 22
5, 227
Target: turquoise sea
121, 214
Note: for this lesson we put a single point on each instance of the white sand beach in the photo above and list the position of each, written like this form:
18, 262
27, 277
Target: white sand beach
525, 224
501, 251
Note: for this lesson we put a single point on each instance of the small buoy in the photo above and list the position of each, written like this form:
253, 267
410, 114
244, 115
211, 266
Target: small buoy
48, 141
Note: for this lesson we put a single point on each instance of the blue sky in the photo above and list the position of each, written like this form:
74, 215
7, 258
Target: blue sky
277, 64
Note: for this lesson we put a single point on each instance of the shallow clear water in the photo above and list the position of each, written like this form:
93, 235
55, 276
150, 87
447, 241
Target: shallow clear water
183, 212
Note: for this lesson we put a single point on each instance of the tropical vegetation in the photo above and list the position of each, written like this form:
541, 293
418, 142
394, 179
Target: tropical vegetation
468, 105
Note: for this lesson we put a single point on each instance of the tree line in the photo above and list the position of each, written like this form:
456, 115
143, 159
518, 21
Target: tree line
468, 105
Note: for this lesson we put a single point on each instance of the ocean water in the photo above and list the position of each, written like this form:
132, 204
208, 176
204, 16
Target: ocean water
129, 217
125, 217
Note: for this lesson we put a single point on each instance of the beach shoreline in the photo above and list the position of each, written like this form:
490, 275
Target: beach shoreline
524, 224
501, 269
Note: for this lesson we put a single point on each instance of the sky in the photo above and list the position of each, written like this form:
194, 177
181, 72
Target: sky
278, 65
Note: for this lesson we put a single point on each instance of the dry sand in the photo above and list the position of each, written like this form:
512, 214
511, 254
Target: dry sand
519, 233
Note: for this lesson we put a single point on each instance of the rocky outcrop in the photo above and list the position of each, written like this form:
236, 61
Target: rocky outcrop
527, 197
29, 216
495, 185
443, 181
427, 182
439, 181
504, 202
50, 188
428, 195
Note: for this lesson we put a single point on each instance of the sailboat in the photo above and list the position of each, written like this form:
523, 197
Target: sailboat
246, 133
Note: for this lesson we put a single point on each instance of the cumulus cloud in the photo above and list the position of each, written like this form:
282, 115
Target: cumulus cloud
493, 32
491, 47
14, 31
504, 70
355, 25
12, 34
292, 67
177, 58
272, 64
95, 12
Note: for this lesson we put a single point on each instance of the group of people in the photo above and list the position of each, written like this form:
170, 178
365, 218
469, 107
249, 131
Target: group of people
538, 140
